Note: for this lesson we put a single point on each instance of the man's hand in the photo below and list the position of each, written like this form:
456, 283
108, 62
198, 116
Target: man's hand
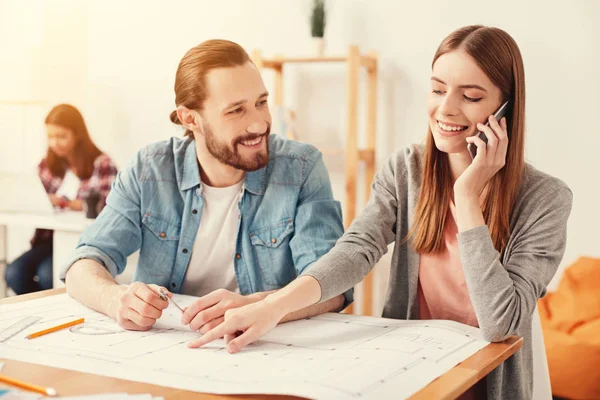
140, 306
208, 311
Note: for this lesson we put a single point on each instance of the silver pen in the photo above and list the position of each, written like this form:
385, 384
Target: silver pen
164, 296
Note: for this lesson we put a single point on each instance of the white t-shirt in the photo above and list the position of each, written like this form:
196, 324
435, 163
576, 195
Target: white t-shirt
212, 262
69, 186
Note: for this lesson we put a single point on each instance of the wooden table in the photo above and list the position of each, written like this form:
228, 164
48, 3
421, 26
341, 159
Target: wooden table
448, 386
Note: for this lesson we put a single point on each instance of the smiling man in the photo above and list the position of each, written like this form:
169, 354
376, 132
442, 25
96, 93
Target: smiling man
229, 213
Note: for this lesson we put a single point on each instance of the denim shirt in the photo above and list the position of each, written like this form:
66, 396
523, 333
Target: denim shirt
288, 217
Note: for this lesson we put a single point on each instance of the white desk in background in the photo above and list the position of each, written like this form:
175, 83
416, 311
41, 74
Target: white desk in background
67, 227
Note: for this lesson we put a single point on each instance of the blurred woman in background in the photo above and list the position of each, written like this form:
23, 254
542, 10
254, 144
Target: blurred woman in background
73, 170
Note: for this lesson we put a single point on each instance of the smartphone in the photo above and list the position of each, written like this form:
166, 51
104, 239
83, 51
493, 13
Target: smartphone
499, 114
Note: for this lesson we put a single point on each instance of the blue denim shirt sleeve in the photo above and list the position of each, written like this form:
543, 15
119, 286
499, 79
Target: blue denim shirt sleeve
318, 222
116, 233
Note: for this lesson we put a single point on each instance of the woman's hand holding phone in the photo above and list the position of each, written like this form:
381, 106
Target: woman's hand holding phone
489, 160
498, 115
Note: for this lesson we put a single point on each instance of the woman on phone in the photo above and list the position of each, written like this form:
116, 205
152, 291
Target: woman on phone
73, 169
476, 240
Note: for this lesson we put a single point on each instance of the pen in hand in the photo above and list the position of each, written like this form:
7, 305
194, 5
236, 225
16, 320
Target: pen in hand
164, 296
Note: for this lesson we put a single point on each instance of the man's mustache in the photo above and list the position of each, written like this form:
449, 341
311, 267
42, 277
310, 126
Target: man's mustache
253, 136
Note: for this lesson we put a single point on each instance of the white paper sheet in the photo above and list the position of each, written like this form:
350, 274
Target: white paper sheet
333, 356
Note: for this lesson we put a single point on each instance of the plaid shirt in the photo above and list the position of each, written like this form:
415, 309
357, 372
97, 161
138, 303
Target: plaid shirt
101, 180
103, 176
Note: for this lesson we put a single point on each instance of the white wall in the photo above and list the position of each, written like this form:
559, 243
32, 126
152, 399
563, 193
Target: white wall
130, 50
43, 62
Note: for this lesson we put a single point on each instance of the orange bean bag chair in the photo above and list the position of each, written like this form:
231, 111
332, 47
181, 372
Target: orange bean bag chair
570, 320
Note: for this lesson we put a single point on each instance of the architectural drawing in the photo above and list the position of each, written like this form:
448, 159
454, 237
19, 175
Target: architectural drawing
333, 356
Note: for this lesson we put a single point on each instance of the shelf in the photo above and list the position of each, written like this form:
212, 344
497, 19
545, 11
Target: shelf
350, 151
287, 60
368, 61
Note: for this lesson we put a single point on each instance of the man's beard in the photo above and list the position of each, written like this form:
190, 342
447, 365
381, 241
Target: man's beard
230, 155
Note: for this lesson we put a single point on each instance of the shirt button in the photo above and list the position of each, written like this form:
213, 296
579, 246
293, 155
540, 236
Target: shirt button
238, 256
162, 235
194, 211
273, 240
185, 251
173, 285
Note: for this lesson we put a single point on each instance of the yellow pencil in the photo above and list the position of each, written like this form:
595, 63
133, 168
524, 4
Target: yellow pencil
54, 329
28, 386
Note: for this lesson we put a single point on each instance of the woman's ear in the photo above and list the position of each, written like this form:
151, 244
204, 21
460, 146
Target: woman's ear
190, 119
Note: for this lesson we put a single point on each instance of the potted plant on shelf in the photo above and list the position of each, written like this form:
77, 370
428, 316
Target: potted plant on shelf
317, 26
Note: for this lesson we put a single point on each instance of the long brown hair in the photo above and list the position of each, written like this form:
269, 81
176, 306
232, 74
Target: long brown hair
190, 85
498, 55
85, 151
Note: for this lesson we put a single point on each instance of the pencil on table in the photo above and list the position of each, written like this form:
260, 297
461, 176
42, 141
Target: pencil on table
28, 386
54, 329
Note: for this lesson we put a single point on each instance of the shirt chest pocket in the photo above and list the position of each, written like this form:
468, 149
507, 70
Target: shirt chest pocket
160, 239
273, 253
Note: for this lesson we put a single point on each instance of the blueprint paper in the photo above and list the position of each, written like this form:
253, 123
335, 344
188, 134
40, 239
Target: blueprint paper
333, 356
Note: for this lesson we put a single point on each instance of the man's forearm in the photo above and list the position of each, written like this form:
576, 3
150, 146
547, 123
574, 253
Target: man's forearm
92, 285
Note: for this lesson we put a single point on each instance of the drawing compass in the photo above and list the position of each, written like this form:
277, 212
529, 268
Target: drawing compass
164, 296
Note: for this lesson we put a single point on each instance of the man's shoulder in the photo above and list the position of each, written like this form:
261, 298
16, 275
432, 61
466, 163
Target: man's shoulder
280, 147
164, 153
170, 147
290, 161
159, 160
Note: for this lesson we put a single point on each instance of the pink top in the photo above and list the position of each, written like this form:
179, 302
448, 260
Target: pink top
443, 291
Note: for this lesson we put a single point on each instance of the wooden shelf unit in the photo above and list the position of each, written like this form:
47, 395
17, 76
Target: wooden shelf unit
352, 153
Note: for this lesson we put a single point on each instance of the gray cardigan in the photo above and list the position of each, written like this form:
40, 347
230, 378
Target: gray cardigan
504, 291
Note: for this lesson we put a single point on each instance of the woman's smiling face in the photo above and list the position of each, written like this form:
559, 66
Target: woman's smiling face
461, 96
